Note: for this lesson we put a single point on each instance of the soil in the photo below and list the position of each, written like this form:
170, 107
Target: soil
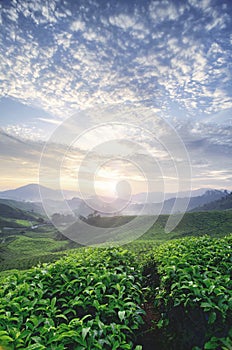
150, 337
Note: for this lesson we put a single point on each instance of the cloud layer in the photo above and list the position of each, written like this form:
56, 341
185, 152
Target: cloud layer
171, 56
71, 55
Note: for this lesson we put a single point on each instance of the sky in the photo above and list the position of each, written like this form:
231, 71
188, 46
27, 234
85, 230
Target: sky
96, 93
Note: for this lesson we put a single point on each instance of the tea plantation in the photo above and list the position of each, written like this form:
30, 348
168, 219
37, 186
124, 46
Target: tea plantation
163, 291
96, 298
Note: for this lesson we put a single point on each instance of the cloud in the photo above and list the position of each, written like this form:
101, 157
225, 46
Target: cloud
165, 11
174, 57
208, 145
66, 62
77, 26
71, 148
122, 21
18, 157
200, 4
50, 121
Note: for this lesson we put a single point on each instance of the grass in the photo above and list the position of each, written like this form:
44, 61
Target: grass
24, 246
24, 223
41, 244
25, 251
16, 223
214, 223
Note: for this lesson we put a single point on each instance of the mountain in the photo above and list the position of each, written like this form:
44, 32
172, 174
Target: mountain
224, 203
157, 197
31, 193
167, 206
208, 197
28, 198
26, 193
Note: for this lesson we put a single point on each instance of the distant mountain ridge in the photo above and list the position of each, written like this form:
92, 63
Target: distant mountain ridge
31, 193
28, 198
167, 206
224, 203
157, 197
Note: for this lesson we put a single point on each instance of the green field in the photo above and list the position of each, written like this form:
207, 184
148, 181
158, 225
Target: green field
43, 244
178, 296
23, 251
162, 291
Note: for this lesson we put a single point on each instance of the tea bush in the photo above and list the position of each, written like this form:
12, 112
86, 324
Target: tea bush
194, 292
88, 300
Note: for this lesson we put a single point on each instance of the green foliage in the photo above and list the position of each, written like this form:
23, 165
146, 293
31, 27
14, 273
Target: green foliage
194, 294
93, 298
215, 224
32, 208
7, 211
23, 252
14, 254
85, 301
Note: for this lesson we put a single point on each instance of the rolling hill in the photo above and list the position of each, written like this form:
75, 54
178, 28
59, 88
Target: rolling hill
14, 213
27, 206
15, 218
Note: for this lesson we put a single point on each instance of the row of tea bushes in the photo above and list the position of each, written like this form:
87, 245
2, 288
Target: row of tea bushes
90, 300
193, 292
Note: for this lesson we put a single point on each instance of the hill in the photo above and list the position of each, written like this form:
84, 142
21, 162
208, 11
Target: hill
224, 203
45, 244
12, 219
27, 206
167, 206
14, 213
214, 223
31, 193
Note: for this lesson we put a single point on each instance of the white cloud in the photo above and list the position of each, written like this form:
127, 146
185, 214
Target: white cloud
219, 22
77, 26
201, 4
123, 21
12, 14
25, 132
165, 11
50, 121
92, 63
63, 39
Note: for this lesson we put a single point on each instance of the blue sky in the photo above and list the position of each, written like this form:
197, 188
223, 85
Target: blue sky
59, 58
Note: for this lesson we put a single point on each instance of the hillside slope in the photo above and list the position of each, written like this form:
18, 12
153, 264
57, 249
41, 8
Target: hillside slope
26, 206
224, 203
213, 223
14, 213
168, 205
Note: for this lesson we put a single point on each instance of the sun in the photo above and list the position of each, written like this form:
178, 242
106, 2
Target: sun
106, 189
